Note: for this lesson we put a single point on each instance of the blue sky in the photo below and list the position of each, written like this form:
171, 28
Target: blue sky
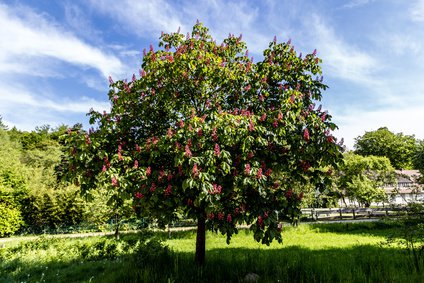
55, 56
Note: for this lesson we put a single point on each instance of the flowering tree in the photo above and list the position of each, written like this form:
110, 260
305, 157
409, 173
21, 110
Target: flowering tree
207, 133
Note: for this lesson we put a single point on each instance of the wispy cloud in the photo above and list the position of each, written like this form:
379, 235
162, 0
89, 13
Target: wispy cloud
30, 36
343, 60
28, 108
417, 11
142, 17
357, 3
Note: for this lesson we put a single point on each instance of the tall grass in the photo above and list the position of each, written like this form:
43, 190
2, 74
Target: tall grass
310, 253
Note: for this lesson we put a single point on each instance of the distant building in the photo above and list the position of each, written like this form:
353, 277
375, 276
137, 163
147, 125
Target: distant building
407, 189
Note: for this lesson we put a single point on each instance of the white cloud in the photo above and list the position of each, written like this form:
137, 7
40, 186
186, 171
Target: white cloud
142, 17
343, 60
417, 11
356, 3
27, 36
400, 120
28, 109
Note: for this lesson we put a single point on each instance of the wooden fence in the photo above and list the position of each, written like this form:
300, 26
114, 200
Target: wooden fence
350, 212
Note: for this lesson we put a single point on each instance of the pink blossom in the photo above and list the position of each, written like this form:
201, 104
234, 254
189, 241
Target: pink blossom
247, 88
229, 218
181, 124
263, 117
199, 132
110, 80
247, 169
139, 195
187, 151
148, 171
168, 190
289, 194
137, 148
250, 155
268, 172
194, 170
260, 221
169, 134
211, 215
104, 168
217, 150
135, 164
306, 134
115, 181
134, 78
214, 135
152, 187
144, 52
259, 173
220, 216
275, 124
251, 126
324, 115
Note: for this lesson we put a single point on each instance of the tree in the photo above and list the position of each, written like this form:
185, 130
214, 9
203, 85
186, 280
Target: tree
418, 159
398, 148
363, 178
207, 133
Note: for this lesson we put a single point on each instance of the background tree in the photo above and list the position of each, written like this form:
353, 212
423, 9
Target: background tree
207, 133
398, 148
363, 178
418, 159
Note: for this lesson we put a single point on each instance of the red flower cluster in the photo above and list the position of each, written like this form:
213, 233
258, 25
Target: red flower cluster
251, 126
195, 171
187, 151
217, 150
306, 134
259, 174
289, 194
115, 181
168, 190
247, 169
152, 187
139, 195
214, 135
217, 189
148, 171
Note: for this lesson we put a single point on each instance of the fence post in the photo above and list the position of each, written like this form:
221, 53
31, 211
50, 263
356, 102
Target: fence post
353, 211
341, 214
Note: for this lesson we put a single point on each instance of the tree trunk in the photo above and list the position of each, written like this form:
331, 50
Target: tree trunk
200, 241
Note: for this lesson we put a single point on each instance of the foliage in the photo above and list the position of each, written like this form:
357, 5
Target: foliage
418, 159
207, 133
51, 209
363, 178
398, 148
410, 234
10, 220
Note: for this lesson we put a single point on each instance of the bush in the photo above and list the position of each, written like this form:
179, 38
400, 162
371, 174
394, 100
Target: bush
10, 220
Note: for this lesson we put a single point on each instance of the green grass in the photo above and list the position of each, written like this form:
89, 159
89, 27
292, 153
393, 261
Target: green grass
310, 253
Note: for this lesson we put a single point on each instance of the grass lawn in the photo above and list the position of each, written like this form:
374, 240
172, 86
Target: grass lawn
310, 253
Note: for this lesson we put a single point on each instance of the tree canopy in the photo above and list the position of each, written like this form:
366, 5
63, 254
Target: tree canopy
363, 177
398, 148
206, 133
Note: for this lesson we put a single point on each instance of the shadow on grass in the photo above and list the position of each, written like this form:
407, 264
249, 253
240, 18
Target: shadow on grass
288, 264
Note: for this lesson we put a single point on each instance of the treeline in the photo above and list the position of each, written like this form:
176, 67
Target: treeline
31, 198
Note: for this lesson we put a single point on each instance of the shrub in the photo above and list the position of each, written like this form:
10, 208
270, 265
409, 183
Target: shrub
10, 220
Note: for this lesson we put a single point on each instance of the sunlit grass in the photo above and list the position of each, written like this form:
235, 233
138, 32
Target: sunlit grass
310, 253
